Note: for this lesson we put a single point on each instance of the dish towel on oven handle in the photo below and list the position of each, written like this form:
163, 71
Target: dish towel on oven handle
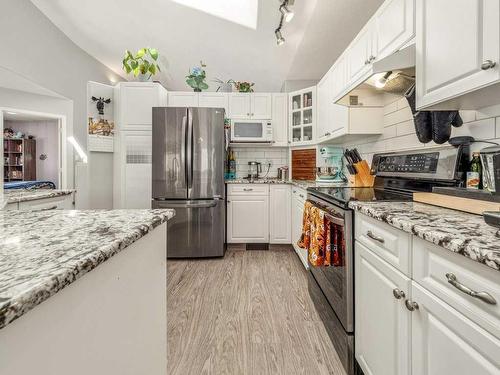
322, 239
316, 236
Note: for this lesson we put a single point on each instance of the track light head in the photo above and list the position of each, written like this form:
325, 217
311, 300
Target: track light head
279, 37
286, 12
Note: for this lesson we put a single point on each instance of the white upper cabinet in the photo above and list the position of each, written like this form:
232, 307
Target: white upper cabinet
360, 54
213, 100
395, 25
250, 106
239, 106
182, 99
261, 106
325, 104
458, 52
280, 119
339, 77
302, 116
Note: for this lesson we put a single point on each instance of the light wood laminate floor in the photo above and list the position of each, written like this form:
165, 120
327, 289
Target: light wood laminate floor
249, 313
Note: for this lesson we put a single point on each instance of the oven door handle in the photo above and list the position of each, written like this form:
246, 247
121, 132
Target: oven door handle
335, 220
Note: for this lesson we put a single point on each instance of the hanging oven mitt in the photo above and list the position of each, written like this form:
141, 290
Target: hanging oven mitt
442, 121
421, 119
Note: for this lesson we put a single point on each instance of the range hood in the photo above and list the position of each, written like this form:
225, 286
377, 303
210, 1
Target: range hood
393, 74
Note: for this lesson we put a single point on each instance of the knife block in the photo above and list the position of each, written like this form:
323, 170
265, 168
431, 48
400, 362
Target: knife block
362, 178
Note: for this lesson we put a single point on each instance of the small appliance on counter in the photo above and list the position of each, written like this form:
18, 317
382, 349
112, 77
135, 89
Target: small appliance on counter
283, 173
333, 172
254, 168
490, 159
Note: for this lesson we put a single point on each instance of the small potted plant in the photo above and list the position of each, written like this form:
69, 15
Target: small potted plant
224, 86
143, 64
244, 86
196, 78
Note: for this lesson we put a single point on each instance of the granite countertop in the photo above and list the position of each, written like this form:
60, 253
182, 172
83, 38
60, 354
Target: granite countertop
460, 232
23, 195
41, 252
304, 184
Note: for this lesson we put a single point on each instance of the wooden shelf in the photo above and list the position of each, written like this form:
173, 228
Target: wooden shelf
27, 156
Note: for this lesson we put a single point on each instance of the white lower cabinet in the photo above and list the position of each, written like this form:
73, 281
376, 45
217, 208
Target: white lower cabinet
435, 328
298, 199
446, 342
259, 213
248, 219
280, 202
382, 320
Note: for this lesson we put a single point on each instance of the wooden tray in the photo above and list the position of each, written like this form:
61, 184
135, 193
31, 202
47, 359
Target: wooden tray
473, 206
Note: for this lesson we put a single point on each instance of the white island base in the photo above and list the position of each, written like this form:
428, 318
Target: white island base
112, 321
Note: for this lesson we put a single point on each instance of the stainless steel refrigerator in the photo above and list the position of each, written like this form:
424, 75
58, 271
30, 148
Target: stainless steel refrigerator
188, 176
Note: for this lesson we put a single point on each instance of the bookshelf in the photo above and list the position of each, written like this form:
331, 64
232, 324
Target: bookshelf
19, 156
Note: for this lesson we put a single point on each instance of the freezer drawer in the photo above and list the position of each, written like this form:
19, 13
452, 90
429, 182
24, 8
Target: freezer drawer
198, 228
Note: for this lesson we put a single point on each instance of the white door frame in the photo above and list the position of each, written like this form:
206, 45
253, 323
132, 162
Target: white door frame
62, 135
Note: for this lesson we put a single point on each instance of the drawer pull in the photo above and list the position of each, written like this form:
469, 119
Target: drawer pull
247, 189
301, 195
483, 296
411, 305
398, 293
375, 237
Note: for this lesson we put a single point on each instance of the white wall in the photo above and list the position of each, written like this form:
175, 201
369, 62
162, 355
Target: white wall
277, 156
43, 104
399, 131
46, 135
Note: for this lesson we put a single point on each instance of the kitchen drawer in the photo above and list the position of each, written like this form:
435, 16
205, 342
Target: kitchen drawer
391, 244
432, 263
299, 194
64, 202
248, 189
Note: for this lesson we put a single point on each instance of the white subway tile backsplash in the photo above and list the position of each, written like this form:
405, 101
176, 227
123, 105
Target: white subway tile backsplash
277, 157
399, 132
482, 129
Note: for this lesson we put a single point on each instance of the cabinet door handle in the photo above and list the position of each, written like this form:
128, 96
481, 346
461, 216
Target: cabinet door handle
301, 195
483, 296
375, 237
366, 62
398, 293
248, 114
371, 59
247, 189
488, 64
411, 305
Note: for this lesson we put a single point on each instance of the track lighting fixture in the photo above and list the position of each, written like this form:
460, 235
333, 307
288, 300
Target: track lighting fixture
279, 37
286, 15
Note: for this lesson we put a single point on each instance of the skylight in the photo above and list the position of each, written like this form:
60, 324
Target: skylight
242, 12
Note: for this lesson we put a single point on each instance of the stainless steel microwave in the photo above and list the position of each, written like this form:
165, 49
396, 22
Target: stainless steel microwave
252, 131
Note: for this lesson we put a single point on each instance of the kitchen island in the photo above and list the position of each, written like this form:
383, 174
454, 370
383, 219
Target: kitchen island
83, 292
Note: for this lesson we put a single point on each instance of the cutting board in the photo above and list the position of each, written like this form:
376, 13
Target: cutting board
473, 206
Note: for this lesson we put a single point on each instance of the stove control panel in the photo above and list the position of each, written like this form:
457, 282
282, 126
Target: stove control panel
411, 163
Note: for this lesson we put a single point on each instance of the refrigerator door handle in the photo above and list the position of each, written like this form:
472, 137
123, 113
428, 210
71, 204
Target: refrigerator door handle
201, 204
183, 135
189, 142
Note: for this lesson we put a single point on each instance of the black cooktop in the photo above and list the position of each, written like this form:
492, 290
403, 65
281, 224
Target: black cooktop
342, 195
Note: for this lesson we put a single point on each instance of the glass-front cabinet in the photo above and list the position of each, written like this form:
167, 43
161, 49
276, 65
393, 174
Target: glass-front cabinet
302, 110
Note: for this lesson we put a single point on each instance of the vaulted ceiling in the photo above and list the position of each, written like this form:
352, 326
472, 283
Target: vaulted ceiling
184, 35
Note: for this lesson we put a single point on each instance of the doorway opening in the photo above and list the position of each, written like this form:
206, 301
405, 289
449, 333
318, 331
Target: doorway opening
34, 153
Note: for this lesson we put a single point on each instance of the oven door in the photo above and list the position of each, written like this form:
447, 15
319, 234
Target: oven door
336, 281
248, 131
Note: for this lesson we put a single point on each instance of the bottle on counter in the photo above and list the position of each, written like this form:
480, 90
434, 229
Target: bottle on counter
232, 165
475, 174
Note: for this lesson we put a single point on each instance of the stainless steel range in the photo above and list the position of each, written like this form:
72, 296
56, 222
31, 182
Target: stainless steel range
397, 176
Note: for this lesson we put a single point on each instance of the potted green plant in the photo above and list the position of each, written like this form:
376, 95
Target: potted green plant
224, 86
143, 64
244, 86
196, 78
